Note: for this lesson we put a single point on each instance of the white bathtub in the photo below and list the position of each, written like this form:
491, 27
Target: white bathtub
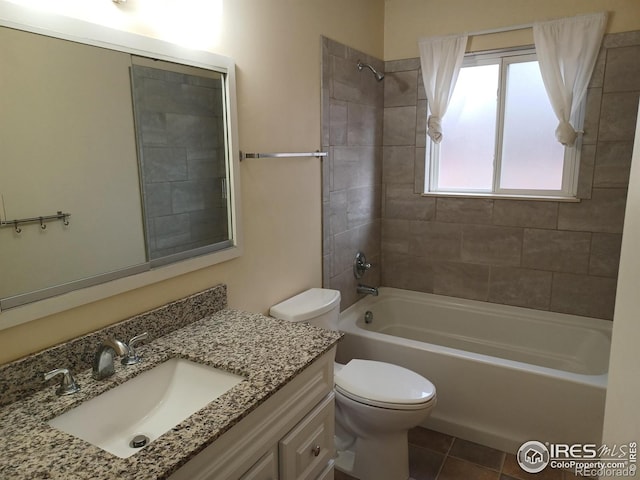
504, 375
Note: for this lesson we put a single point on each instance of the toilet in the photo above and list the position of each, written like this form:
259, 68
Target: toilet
376, 402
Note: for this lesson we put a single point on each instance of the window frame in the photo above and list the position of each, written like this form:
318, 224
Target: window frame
571, 161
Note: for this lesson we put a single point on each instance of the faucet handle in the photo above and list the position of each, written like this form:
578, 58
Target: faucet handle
132, 357
67, 385
360, 265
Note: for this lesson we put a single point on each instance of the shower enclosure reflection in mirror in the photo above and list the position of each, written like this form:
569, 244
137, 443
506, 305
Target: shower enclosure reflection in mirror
68, 141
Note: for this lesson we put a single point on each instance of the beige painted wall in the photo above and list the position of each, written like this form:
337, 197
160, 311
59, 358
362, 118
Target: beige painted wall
408, 20
276, 46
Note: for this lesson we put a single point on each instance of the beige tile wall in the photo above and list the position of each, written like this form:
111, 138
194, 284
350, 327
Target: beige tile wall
352, 114
544, 255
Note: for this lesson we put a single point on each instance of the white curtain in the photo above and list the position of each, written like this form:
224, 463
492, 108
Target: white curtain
440, 58
567, 49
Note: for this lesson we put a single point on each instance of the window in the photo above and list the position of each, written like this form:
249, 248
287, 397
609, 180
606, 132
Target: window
499, 133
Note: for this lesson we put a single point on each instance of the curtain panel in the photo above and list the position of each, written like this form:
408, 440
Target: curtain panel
440, 58
567, 50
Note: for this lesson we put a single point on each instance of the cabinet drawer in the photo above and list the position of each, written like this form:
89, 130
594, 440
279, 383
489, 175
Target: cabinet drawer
264, 469
307, 449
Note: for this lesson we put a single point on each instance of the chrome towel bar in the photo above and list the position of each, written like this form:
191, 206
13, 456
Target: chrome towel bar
316, 154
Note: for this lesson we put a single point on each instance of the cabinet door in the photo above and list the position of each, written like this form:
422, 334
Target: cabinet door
327, 473
308, 448
264, 469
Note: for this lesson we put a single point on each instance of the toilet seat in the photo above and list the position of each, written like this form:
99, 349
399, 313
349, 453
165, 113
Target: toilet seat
384, 385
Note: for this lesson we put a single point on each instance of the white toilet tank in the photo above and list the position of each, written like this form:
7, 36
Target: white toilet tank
318, 306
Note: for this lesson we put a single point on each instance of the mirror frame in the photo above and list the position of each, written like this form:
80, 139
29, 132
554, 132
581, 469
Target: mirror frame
53, 25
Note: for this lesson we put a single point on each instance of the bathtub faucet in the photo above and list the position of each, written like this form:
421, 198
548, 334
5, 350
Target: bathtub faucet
367, 290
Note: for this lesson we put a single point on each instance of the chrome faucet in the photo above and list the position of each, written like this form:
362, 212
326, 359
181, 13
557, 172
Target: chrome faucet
67, 385
103, 361
132, 357
367, 290
360, 266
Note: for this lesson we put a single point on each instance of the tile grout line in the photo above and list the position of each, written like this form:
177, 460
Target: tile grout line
499, 470
446, 456
504, 460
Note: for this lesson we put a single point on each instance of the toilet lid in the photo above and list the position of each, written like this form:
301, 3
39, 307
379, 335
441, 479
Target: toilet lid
384, 385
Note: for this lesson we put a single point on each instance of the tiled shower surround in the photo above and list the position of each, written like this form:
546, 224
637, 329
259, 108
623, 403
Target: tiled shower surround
179, 129
352, 109
544, 255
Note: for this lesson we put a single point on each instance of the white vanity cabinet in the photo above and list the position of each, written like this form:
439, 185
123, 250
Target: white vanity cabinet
288, 437
307, 449
264, 469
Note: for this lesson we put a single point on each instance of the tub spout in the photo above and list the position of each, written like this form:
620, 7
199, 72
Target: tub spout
367, 290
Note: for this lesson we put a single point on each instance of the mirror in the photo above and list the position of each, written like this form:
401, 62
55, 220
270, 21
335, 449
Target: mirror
180, 132
118, 160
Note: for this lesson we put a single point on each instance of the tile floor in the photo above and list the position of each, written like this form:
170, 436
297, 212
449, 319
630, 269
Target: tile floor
436, 456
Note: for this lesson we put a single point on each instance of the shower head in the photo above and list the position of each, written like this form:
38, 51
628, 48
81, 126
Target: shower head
379, 76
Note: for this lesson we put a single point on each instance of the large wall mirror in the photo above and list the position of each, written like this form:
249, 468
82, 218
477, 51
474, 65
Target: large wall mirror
118, 161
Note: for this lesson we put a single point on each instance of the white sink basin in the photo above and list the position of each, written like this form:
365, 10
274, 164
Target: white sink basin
150, 404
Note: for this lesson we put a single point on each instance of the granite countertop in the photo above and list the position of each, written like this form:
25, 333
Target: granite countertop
267, 352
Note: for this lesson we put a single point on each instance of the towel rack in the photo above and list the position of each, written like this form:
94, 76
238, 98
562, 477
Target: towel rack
316, 154
21, 221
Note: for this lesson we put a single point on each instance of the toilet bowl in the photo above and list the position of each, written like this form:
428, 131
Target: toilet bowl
376, 402
376, 405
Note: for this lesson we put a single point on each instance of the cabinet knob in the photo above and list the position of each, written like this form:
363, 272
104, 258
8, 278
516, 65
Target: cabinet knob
316, 450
